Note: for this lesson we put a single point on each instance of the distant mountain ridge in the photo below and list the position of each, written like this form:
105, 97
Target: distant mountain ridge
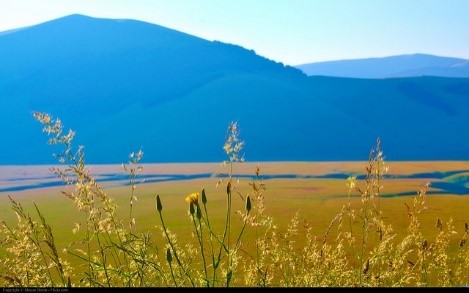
125, 85
410, 65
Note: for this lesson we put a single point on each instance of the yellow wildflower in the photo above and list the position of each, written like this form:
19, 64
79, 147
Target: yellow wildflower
193, 198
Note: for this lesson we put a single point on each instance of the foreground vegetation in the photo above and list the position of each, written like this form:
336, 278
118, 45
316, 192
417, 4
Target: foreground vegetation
359, 248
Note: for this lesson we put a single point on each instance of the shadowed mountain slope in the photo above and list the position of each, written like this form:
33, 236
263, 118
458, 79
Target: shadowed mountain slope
124, 85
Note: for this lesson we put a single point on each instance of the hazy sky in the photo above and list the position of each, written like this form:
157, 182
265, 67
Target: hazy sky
289, 31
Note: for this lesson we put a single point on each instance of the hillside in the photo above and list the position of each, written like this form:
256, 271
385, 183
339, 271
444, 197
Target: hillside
411, 65
124, 85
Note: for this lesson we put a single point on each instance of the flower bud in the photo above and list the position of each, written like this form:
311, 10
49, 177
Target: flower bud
228, 188
169, 257
159, 207
199, 212
204, 198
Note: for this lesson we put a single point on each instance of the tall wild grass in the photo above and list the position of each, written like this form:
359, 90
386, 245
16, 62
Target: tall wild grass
358, 249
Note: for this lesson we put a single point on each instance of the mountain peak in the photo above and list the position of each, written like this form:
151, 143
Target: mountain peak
406, 65
76, 16
69, 19
86, 18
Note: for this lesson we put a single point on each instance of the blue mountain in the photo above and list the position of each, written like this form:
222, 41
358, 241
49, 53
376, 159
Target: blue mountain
411, 65
123, 85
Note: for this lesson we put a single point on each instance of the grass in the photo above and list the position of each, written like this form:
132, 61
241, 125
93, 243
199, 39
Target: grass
277, 232
314, 199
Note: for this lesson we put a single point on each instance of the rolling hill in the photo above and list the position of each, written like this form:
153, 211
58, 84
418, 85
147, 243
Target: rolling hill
125, 85
411, 65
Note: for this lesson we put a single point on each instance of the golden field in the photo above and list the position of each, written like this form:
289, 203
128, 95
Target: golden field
317, 200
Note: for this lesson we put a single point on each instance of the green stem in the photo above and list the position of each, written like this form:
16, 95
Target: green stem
172, 274
242, 230
174, 250
211, 234
200, 239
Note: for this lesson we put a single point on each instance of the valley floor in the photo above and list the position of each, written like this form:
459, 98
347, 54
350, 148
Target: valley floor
446, 177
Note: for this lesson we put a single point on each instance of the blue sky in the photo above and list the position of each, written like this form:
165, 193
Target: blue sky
289, 31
